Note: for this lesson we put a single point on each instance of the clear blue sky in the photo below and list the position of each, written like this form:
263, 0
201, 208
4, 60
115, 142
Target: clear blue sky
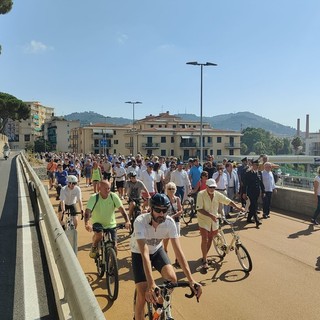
95, 55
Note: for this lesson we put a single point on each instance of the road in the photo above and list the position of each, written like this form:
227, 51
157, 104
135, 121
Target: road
284, 282
25, 288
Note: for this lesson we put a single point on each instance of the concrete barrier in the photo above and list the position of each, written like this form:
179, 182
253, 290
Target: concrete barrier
76, 289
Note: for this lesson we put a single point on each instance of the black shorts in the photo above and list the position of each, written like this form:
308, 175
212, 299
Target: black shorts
97, 227
158, 260
119, 184
71, 208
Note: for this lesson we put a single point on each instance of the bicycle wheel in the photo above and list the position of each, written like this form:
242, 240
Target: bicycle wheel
220, 245
100, 263
147, 309
112, 276
187, 211
244, 257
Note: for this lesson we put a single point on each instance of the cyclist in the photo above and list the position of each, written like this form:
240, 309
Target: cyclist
69, 196
101, 209
134, 187
147, 251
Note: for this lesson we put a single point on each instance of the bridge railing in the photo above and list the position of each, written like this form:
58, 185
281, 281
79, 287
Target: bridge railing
65, 267
295, 182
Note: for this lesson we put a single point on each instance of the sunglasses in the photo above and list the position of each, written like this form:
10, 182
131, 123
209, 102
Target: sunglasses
73, 183
158, 210
211, 187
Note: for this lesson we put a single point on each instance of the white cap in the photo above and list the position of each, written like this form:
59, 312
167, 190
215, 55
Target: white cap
211, 183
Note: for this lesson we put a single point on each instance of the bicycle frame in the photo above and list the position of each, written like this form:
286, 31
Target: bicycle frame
222, 248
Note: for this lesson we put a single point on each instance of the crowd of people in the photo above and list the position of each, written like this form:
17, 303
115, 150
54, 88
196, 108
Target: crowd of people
163, 184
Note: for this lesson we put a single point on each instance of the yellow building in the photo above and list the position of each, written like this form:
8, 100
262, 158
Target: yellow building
163, 135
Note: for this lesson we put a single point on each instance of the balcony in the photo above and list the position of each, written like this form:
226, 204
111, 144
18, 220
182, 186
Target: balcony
188, 145
232, 146
150, 145
129, 145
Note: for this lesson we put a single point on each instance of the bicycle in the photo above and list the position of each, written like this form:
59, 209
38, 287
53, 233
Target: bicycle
163, 311
136, 212
70, 229
189, 209
222, 248
106, 262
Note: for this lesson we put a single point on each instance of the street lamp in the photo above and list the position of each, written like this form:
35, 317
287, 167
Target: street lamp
207, 64
133, 104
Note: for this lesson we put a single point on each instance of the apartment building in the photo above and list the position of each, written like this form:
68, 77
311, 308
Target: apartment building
23, 134
57, 131
312, 143
165, 135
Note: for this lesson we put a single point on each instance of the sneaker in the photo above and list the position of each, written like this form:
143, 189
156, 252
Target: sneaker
314, 221
93, 252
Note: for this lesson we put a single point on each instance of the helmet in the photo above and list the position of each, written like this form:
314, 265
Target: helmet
159, 200
72, 179
132, 174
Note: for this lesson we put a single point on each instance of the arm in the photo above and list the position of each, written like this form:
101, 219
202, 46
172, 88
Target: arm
315, 189
87, 216
125, 217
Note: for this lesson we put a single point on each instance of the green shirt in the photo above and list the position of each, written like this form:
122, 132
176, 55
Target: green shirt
104, 210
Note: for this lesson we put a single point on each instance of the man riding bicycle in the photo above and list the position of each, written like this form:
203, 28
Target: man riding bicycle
69, 196
101, 209
147, 251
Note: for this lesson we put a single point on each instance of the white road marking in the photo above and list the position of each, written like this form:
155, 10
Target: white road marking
31, 301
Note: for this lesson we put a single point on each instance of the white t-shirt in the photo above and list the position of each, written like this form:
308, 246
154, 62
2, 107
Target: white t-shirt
148, 180
70, 196
317, 178
143, 230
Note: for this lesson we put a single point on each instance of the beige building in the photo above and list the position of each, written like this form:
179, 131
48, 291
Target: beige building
57, 131
165, 135
23, 134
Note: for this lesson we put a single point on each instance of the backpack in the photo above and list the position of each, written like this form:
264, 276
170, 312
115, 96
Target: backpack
97, 199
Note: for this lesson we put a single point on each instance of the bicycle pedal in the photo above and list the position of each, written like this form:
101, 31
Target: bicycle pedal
232, 248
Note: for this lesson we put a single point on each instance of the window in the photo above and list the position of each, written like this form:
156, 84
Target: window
151, 125
160, 125
219, 139
231, 152
163, 153
114, 132
27, 137
219, 153
16, 137
174, 126
163, 140
115, 141
209, 139
171, 152
172, 139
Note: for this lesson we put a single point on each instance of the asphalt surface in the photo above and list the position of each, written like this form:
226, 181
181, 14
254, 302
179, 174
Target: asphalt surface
25, 287
284, 282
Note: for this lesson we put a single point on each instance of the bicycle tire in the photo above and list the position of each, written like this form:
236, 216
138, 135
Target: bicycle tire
244, 257
187, 211
220, 245
101, 266
147, 310
112, 275
134, 216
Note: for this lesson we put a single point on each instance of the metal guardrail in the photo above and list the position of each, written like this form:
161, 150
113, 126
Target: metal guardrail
295, 182
77, 291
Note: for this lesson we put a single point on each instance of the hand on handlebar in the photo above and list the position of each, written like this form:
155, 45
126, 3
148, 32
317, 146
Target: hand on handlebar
197, 289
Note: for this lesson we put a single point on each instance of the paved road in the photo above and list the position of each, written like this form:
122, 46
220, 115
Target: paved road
25, 290
284, 282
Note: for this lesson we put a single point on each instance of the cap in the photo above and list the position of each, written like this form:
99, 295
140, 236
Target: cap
244, 159
150, 164
132, 174
71, 165
179, 162
255, 162
211, 183
117, 161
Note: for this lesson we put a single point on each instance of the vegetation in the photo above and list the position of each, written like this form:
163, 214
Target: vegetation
11, 108
5, 7
260, 141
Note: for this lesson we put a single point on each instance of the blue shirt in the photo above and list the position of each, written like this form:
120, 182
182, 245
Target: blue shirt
195, 175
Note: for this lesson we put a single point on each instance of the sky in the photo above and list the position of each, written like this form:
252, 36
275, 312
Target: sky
80, 56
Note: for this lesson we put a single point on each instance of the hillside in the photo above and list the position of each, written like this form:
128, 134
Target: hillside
232, 121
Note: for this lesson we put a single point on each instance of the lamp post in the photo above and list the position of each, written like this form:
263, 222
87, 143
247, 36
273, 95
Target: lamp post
133, 104
207, 64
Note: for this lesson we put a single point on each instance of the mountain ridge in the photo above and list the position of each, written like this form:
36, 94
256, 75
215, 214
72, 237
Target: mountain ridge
233, 121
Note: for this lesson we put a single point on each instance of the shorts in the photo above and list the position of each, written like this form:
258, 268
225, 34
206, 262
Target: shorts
158, 260
119, 184
106, 176
50, 174
71, 207
97, 227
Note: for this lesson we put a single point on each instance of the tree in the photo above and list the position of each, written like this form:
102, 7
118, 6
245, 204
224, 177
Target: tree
5, 6
296, 144
11, 108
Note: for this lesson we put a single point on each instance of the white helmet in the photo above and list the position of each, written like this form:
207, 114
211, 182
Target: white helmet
72, 179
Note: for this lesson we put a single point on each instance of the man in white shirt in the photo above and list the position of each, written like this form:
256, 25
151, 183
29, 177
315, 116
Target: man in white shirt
221, 179
269, 186
148, 178
181, 180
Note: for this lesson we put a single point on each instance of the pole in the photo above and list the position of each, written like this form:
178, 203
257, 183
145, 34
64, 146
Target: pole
201, 121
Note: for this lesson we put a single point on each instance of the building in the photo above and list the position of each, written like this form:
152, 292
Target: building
57, 131
165, 135
312, 144
23, 134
